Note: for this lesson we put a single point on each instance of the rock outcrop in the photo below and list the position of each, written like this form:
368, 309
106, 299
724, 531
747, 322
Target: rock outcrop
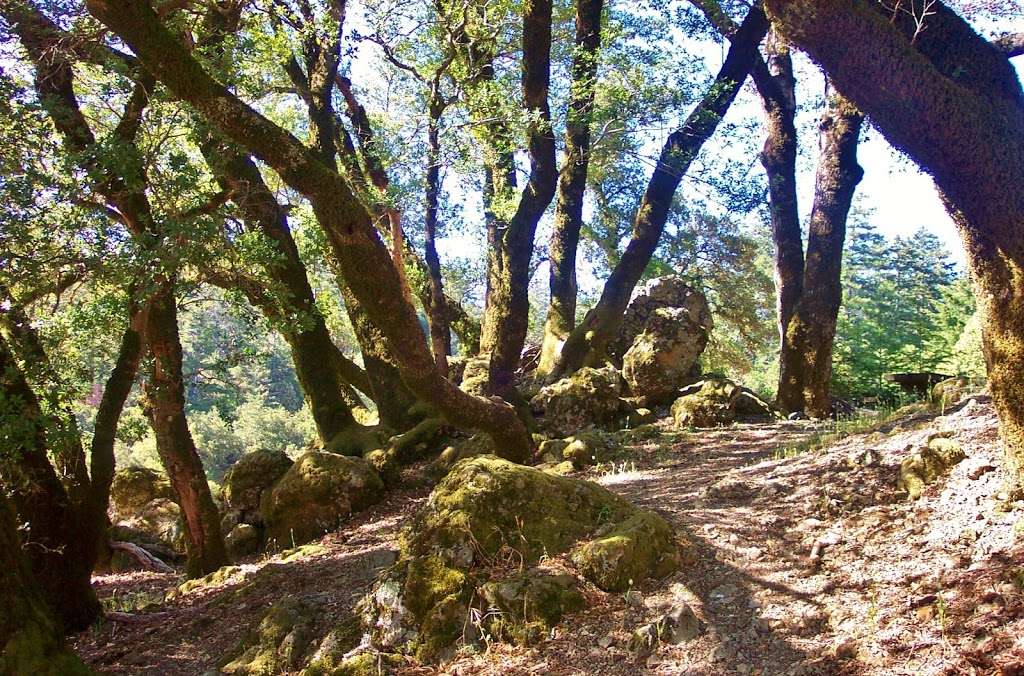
315, 495
488, 510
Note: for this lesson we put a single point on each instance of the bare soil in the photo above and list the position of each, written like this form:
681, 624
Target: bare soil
795, 563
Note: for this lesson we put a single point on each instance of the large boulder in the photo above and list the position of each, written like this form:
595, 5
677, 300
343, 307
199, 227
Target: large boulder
317, 493
951, 390
247, 480
663, 357
662, 292
133, 487
488, 510
589, 397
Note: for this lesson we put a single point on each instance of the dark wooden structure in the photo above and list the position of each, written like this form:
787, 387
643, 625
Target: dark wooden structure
920, 383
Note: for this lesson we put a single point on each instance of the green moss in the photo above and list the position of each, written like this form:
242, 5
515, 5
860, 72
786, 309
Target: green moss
358, 439
365, 664
315, 495
281, 641
711, 403
522, 608
254, 473
35, 649
642, 546
215, 579
927, 465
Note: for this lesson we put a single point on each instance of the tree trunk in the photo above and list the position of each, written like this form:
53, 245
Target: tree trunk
588, 342
572, 184
953, 102
812, 328
362, 257
390, 393
508, 304
31, 641
298, 317
437, 309
52, 539
779, 160
165, 408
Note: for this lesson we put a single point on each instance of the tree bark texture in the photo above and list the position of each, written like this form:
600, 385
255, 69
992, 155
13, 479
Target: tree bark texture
952, 101
362, 257
60, 558
572, 184
436, 308
588, 342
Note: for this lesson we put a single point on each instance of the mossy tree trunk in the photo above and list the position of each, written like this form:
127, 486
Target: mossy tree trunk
812, 328
31, 640
572, 184
436, 307
508, 304
165, 408
293, 308
57, 540
953, 102
125, 193
588, 342
362, 257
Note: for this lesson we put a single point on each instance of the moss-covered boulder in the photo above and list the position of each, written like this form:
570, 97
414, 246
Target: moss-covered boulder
475, 375
285, 639
951, 390
462, 449
359, 439
708, 403
524, 607
243, 539
625, 553
248, 479
317, 493
929, 463
586, 448
488, 510
133, 487
157, 522
589, 397
668, 291
664, 356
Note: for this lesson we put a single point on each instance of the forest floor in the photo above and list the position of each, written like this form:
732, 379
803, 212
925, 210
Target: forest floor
800, 559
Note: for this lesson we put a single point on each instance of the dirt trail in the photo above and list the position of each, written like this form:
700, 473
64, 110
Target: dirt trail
932, 586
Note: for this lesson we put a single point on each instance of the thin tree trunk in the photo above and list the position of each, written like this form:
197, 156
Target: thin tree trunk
959, 113
363, 259
437, 309
165, 408
779, 160
30, 634
812, 328
508, 303
588, 342
572, 184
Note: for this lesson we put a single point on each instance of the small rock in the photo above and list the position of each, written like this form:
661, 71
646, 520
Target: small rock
606, 641
634, 599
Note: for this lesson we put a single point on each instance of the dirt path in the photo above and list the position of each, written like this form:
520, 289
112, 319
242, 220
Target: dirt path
932, 586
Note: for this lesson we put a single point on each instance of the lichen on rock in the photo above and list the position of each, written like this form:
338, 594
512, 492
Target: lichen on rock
709, 403
247, 480
589, 397
639, 547
664, 356
315, 495
133, 487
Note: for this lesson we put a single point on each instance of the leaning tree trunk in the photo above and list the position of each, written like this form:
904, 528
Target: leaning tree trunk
508, 302
298, 318
363, 259
165, 408
812, 328
953, 102
572, 185
31, 640
55, 538
588, 342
